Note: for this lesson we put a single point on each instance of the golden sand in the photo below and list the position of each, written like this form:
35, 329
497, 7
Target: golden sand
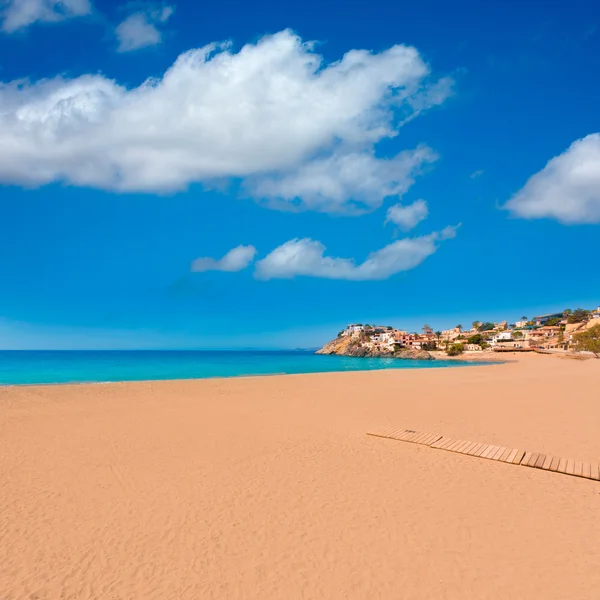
268, 487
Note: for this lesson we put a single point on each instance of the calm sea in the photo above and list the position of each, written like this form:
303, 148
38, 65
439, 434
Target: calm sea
29, 367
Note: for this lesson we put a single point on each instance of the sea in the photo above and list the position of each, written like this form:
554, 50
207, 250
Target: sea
54, 367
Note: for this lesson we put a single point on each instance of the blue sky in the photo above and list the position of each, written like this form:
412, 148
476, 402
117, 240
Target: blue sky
336, 162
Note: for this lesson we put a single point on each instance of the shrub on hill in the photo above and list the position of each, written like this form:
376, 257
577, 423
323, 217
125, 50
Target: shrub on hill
589, 340
578, 316
455, 350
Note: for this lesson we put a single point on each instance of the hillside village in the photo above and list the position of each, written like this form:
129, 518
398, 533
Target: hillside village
551, 332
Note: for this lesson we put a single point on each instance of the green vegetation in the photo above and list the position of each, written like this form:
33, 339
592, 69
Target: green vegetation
517, 335
429, 346
475, 339
485, 326
589, 340
455, 350
578, 316
553, 322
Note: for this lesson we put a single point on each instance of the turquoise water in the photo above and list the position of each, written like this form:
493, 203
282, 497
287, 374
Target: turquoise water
21, 367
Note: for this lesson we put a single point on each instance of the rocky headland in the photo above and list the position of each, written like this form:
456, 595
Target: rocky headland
360, 346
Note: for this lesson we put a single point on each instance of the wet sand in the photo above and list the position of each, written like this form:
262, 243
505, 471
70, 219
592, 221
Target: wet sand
268, 487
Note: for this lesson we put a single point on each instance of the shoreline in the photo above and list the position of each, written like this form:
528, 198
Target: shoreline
466, 362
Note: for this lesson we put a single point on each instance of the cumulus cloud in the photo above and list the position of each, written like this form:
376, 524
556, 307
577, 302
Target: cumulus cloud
235, 260
141, 29
307, 257
407, 217
260, 116
566, 189
350, 182
17, 14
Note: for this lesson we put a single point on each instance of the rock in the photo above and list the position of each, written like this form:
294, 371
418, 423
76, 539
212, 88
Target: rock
360, 347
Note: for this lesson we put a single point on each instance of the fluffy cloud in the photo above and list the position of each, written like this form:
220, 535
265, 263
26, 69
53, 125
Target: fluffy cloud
407, 217
566, 189
140, 29
17, 14
263, 115
307, 257
351, 182
235, 260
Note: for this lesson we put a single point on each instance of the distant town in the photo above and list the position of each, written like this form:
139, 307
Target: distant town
567, 331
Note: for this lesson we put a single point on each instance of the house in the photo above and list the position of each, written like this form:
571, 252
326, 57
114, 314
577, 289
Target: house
451, 334
473, 347
353, 329
543, 319
521, 324
501, 326
503, 336
546, 331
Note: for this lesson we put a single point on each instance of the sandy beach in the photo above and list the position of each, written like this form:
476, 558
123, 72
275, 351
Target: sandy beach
268, 487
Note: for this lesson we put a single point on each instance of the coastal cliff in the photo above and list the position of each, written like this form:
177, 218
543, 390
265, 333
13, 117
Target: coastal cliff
360, 346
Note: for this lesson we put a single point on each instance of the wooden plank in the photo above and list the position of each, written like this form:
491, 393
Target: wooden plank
453, 447
484, 448
562, 466
511, 456
505, 454
479, 448
432, 437
586, 471
540, 461
570, 469
412, 436
547, 462
435, 439
447, 442
463, 447
471, 448
595, 474
577, 468
525, 459
490, 451
425, 439
498, 453
417, 439
518, 457
439, 443
554, 464
471, 451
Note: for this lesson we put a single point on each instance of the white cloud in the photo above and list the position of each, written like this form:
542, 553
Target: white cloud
272, 110
407, 217
566, 189
476, 174
235, 260
307, 257
140, 29
351, 182
17, 14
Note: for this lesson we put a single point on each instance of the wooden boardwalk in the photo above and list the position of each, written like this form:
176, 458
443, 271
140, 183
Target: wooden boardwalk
513, 456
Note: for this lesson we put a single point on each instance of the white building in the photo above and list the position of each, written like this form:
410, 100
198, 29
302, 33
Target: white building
352, 329
503, 336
